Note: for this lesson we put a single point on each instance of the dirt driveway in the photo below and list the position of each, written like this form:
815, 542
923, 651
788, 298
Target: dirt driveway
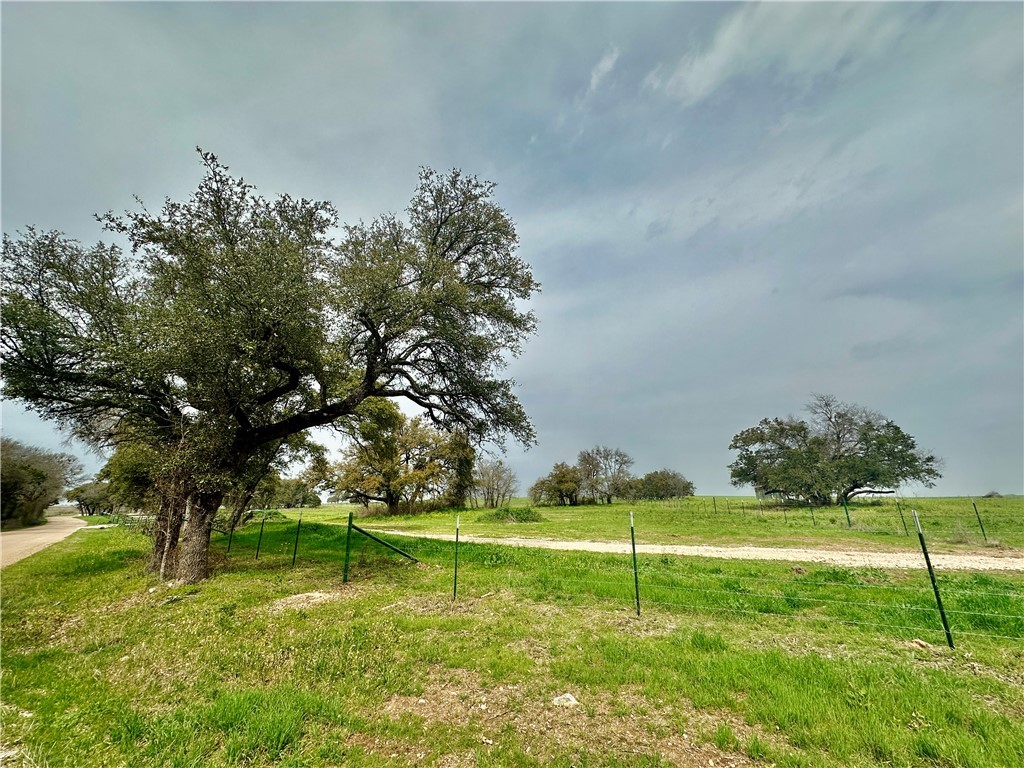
909, 560
19, 544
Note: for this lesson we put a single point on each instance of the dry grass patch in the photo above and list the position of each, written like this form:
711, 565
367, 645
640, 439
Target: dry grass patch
611, 725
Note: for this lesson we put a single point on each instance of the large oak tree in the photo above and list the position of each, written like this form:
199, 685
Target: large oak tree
843, 451
234, 323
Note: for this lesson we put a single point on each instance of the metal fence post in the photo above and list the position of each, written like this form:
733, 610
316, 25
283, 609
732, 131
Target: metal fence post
259, 541
902, 518
348, 548
931, 575
295, 551
636, 574
847, 510
976, 514
231, 533
455, 584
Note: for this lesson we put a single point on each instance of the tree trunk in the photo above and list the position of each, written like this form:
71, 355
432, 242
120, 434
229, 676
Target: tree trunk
193, 550
168, 559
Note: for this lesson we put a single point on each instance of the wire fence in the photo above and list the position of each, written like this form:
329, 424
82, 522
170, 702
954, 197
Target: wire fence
985, 521
899, 603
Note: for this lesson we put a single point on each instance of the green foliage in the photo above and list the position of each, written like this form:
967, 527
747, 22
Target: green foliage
92, 498
844, 451
659, 485
399, 462
561, 487
511, 515
31, 479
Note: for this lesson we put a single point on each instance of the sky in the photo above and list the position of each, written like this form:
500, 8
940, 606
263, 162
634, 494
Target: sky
729, 207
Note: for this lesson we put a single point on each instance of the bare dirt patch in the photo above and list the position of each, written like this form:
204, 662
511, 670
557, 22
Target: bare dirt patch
305, 600
621, 725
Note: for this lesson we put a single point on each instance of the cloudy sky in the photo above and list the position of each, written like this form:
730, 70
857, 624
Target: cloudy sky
730, 207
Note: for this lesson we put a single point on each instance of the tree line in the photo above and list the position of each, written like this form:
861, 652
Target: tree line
602, 474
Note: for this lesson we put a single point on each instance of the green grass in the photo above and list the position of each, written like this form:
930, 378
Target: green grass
950, 524
796, 666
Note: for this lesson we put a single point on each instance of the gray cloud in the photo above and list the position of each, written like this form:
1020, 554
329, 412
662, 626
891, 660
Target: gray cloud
729, 206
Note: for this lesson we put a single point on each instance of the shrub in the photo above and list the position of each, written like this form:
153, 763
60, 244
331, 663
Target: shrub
508, 515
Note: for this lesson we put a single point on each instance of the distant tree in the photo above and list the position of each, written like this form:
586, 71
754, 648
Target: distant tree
605, 473
661, 484
495, 483
31, 479
993, 495
560, 487
460, 457
237, 322
396, 461
293, 492
92, 498
845, 450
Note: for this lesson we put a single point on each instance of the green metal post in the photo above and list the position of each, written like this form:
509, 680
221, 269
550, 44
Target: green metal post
847, 510
455, 584
811, 507
785, 516
259, 541
715, 503
976, 514
902, 518
298, 528
231, 533
931, 575
348, 547
636, 574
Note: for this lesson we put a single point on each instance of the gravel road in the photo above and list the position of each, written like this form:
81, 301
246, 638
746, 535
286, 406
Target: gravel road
19, 544
911, 560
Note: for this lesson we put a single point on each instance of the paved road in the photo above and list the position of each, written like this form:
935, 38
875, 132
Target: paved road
19, 544
909, 560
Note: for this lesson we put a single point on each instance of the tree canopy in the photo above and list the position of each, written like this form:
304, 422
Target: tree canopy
31, 479
843, 451
235, 322
396, 461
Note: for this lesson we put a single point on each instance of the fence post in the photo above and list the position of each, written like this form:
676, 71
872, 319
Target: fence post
259, 541
295, 551
231, 533
636, 574
847, 510
931, 575
902, 519
811, 507
348, 548
976, 514
714, 502
455, 583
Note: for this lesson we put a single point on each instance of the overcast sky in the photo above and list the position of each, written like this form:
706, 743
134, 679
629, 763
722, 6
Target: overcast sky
730, 207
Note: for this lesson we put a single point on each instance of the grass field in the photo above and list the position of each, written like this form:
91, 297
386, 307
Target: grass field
950, 524
730, 662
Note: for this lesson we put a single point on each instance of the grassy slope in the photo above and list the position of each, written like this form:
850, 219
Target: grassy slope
949, 524
761, 661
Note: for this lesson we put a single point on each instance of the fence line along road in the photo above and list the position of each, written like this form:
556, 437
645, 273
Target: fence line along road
908, 560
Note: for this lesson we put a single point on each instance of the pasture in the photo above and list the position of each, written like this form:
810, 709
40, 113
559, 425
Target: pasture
729, 663
950, 524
